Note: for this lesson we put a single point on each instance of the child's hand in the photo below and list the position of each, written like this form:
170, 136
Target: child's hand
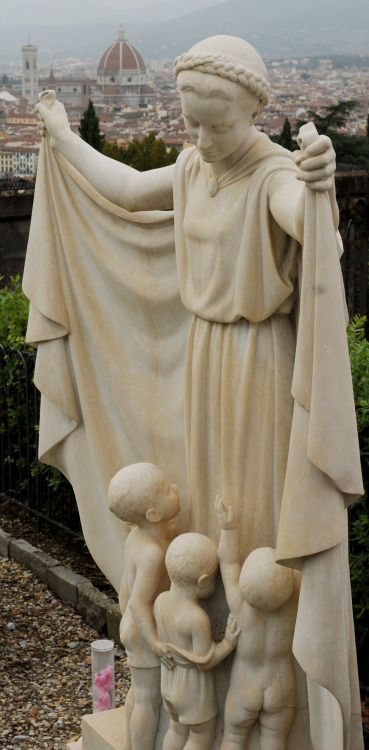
232, 632
163, 652
226, 517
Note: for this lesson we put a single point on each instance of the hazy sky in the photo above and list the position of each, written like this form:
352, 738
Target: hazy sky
65, 12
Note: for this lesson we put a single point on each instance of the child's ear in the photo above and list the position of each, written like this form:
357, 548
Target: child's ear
153, 515
202, 580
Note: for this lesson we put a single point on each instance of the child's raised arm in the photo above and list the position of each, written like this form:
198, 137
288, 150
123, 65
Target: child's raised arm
228, 553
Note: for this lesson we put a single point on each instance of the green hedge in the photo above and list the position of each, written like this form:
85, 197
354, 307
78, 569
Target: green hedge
359, 513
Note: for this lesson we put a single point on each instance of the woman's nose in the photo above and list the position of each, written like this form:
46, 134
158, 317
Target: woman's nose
204, 138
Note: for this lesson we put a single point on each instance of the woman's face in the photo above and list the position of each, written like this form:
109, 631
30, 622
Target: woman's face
218, 116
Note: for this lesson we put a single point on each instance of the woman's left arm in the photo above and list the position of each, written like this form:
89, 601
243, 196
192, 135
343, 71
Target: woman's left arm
317, 165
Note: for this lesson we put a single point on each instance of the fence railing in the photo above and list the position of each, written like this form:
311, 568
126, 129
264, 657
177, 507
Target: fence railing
41, 490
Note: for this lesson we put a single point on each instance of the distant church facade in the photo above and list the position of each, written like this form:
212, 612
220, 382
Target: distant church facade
121, 75
72, 91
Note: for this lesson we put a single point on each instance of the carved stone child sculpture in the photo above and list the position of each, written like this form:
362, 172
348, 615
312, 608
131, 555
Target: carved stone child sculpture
140, 494
263, 596
188, 689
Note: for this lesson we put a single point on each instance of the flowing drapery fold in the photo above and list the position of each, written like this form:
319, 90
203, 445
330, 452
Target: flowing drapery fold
111, 333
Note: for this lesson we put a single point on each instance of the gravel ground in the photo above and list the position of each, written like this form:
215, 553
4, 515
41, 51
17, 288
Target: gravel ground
45, 676
68, 550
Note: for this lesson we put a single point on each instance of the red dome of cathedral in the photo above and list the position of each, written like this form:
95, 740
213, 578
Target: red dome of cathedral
121, 76
121, 55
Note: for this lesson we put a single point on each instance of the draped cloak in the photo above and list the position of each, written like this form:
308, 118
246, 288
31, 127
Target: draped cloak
268, 414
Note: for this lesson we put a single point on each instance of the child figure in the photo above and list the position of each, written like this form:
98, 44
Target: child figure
263, 597
141, 494
188, 689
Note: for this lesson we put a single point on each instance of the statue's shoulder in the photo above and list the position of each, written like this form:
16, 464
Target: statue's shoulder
188, 157
271, 150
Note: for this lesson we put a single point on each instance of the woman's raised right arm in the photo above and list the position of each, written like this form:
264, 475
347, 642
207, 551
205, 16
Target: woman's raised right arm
120, 184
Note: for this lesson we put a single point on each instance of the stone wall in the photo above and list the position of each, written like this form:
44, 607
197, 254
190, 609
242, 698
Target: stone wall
16, 200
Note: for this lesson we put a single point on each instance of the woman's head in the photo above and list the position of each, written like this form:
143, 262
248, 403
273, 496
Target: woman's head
223, 86
230, 58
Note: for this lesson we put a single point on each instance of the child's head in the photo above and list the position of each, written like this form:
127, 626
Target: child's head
141, 491
265, 584
192, 559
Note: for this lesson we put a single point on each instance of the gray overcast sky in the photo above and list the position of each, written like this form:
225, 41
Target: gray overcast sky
69, 12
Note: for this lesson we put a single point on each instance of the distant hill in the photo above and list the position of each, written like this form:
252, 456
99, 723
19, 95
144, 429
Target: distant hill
327, 27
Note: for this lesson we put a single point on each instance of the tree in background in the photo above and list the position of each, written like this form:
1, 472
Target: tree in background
150, 153
331, 117
350, 149
111, 149
89, 128
285, 138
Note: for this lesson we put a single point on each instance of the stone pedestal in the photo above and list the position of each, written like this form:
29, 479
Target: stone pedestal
102, 731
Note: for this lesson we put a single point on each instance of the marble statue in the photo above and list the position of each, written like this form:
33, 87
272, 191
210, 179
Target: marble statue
188, 689
225, 363
262, 596
142, 496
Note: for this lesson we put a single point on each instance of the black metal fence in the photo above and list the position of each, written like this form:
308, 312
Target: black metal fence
354, 228
41, 490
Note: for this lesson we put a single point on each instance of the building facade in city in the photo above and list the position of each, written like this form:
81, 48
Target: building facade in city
72, 91
18, 160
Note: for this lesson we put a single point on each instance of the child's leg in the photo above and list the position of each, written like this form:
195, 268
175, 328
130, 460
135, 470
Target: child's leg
201, 735
235, 735
145, 714
275, 727
241, 711
175, 738
128, 708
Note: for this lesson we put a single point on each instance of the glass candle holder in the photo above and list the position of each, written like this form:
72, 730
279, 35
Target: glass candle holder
103, 677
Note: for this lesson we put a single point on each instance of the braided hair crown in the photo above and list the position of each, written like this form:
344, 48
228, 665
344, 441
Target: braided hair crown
228, 57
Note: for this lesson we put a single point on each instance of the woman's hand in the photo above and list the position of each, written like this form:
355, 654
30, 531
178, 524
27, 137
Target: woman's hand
317, 159
52, 118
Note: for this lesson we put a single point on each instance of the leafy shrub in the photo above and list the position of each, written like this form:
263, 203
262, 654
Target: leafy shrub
43, 489
14, 307
359, 514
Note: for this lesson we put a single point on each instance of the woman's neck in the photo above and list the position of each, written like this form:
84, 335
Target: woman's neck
221, 167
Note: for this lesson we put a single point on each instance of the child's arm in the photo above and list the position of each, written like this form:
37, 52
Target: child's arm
225, 647
144, 593
123, 595
228, 553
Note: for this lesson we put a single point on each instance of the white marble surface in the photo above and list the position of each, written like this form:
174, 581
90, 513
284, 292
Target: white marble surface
235, 382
